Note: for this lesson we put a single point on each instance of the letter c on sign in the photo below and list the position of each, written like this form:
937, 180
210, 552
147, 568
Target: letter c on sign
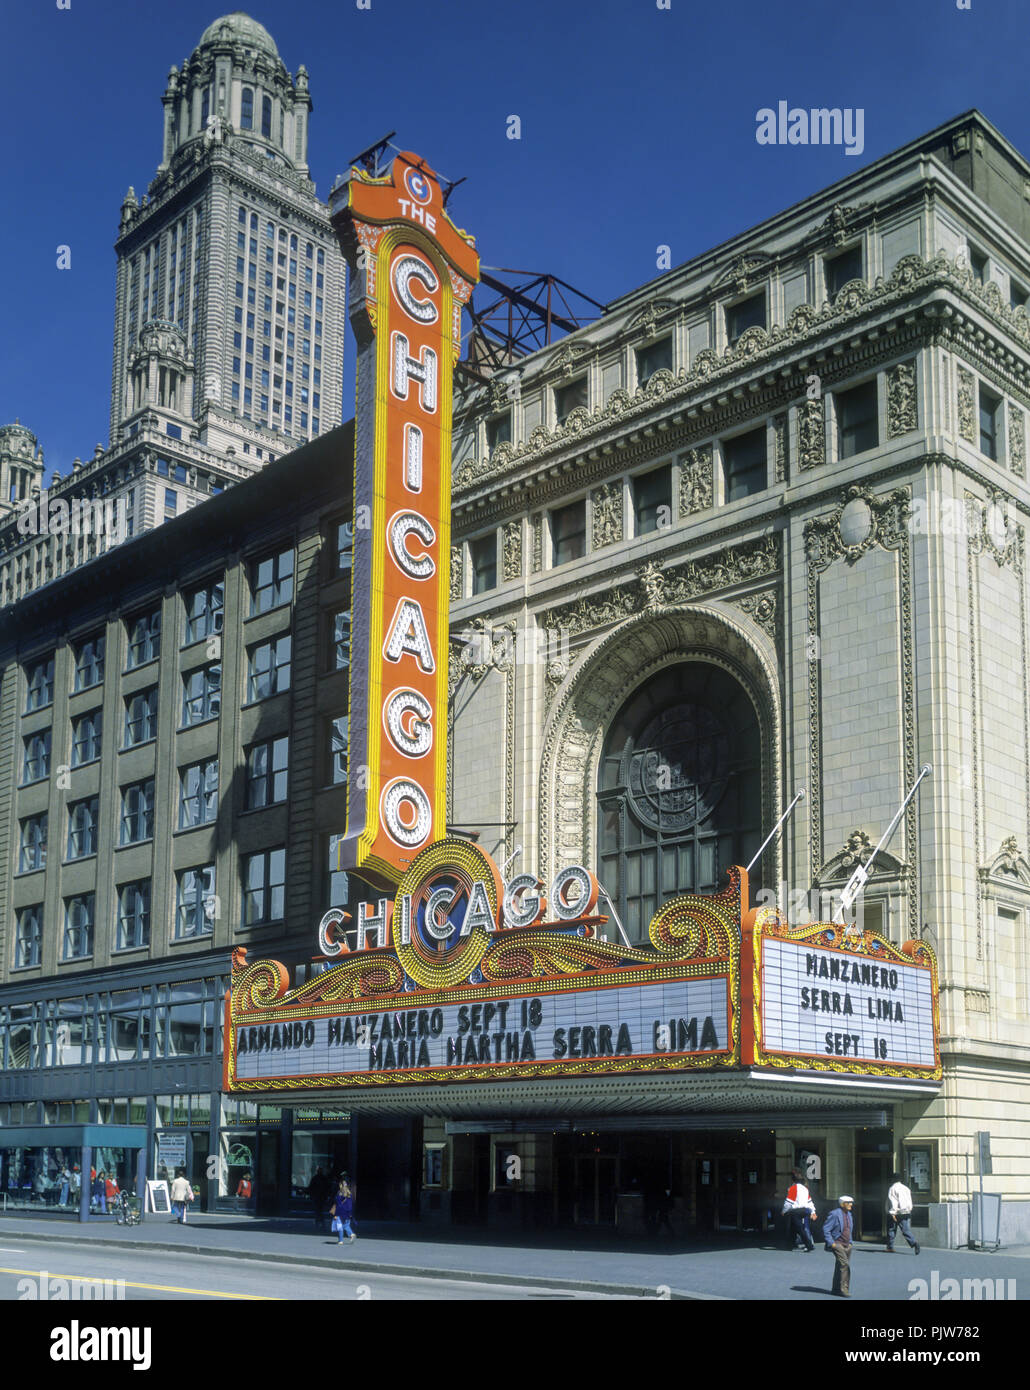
328, 943
406, 269
405, 524
411, 736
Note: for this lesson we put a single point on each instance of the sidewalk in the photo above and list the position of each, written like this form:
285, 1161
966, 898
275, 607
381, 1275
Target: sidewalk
741, 1268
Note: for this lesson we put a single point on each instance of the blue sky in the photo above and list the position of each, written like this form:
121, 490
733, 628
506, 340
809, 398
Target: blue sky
638, 129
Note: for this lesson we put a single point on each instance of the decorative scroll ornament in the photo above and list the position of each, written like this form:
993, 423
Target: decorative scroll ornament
811, 433
861, 521
511, 549
966, 406
696, 480
606, 515
902, 407
1017, 441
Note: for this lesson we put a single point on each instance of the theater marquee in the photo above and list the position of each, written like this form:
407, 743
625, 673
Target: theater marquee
471, 979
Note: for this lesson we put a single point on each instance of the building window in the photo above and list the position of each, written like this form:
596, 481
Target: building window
268, 668
568, 398
28, 943
141, 717
264, 887
36, 760
498, 431
652, 500
990, 417
339, 640
195, 902
679, 790
137, 813
978, 265
568, 533
342, 547
89, 663
82, 827
79, 918
266, 117
201, 694
271, 582
204, 611
247, 109
198, 793
857, 420
144, 639
338, 749
267, 772
86, 738
32, 853
841, 269
483, 554
134, 915
744, 464
655, 357
1018, 294
41, 685
171, 502
748, 313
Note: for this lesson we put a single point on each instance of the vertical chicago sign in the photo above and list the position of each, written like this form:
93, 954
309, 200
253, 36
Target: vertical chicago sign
412, 270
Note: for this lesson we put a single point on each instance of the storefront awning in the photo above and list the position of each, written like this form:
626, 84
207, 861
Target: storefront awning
73, 1136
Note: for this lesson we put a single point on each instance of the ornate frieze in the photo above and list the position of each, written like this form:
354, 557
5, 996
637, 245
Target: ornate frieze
696, 480
966, 405
511, 549
606, 515
457, 579
1017, 440
811, 433
780, 446
538, 544
902, 407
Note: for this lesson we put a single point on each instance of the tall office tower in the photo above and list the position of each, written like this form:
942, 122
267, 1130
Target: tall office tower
229, 317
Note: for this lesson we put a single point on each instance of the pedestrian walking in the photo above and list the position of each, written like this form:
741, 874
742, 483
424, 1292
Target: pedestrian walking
66, 1182
899, 1214
838, 1233
799, 1208
182, 1195
244, 1189
99, 1192
343, 1209
319, 1189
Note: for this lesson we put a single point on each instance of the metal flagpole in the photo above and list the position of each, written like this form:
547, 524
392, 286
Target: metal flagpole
798, 796
860, 877
622, 930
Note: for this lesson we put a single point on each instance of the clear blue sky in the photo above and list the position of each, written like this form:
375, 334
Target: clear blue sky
638, 129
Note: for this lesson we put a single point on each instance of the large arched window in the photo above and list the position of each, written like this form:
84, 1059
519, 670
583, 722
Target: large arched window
247, 109
679, 790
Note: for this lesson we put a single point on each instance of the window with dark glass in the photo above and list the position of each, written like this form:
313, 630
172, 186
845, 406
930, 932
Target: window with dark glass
748, 313
679, 790
271, 582
86, 738
89, 663
337, 749
36, 760
1018, 294
568, 398
342, 552
204, 611
41, 685
264, 887
141, 717
653, 358
29, 939
247, 109
83, 817
201, 694
483, 554
266, 117
842, 268
198, 793
137, 822
339, 640
268, 668
144, 638
652, 500
498, 431
79, 920
857, 420
569, 533
32, 851
267, 772
134, 914
978, 265
195, 902
990, 416
744, 464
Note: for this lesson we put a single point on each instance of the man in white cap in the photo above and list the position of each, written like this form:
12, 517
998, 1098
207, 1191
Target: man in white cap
838, 1233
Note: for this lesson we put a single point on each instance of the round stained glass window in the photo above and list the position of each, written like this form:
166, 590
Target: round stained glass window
679, 767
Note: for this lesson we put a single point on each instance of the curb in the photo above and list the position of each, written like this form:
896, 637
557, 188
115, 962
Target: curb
401, 1271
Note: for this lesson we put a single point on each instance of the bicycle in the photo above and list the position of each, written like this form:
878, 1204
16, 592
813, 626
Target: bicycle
126, 1210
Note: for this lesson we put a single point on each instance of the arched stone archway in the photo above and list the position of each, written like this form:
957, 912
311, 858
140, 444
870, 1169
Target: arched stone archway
606, 674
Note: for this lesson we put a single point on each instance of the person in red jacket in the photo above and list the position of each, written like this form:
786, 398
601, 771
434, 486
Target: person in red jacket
111, 1189
798, 1208
243, 1187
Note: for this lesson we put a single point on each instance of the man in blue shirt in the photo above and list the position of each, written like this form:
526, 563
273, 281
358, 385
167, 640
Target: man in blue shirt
838, 1232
